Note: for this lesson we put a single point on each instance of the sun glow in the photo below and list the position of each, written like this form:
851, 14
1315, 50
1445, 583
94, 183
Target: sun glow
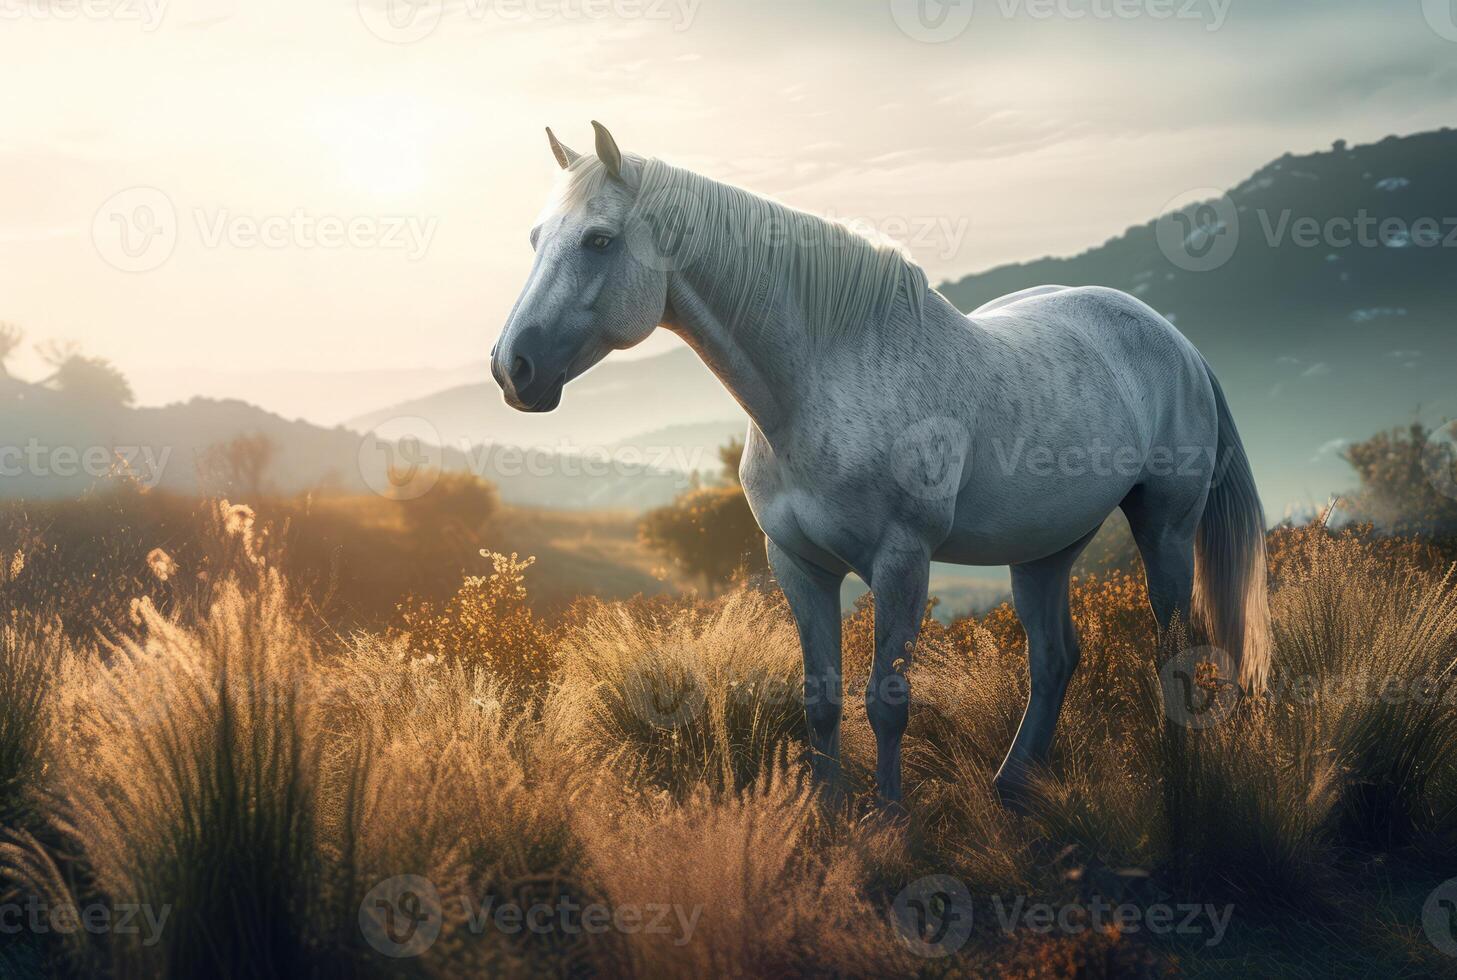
382, 143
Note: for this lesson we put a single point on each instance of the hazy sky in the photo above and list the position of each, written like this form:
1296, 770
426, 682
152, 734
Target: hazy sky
301, 185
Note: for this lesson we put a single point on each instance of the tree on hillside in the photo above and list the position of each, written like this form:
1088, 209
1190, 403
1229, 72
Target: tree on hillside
92, 379
730, 456
709, 532
1408, 479
11, 337
239, 465
456, 508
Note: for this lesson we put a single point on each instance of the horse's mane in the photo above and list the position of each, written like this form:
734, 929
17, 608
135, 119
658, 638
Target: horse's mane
754, 248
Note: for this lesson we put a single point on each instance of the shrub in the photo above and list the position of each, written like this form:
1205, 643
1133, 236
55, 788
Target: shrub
1368, 653
755, 883
698, 695
29, 652
708, 534
188, 781
457, 506
486, 624
1402, 474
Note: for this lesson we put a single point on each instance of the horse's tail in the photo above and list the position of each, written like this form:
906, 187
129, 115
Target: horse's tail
1229, 557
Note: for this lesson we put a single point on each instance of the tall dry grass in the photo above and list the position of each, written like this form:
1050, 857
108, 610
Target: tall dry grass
260, 777
680, 696
28, 656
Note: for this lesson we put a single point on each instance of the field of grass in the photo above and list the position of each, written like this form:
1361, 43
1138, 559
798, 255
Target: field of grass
204, 773
351, 559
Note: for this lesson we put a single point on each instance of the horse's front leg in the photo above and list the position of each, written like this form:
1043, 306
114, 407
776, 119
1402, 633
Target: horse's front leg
814, 599
900, 579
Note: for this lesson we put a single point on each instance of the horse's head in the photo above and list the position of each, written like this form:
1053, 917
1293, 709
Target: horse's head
588, 293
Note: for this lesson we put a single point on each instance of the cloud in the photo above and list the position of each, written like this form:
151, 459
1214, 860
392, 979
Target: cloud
1308, 369
1329, 448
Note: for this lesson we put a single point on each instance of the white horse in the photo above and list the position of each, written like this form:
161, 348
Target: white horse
889, 430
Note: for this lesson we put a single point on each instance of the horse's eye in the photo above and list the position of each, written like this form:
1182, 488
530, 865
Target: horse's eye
599, 242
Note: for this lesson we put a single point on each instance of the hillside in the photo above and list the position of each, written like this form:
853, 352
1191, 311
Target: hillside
1331, 317
325, 398
64, 445
693, 446
613, 402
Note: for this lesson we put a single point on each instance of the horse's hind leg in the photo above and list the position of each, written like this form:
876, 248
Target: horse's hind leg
1040, 593
1164, 518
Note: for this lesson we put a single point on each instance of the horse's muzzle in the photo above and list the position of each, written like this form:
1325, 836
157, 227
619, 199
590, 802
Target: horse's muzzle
523, 370
537, 395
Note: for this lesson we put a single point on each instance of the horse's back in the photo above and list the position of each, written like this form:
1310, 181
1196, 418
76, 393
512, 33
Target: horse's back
1016, 297
1113, 320
1160, 374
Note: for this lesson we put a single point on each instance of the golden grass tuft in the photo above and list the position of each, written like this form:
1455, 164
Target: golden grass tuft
755, 883
681, 695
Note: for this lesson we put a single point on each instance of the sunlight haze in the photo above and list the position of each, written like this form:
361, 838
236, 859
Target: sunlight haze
348, 203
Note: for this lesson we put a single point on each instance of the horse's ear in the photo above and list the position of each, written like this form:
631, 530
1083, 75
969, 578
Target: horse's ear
607, 150
564, 155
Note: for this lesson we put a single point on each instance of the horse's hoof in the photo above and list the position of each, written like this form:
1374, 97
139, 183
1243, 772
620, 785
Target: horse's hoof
1015, 795
833, 796
888, 815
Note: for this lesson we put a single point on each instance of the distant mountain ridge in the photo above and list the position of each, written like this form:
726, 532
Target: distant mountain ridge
618, 400
1275, 263
57, 444
1332, 315
325, 398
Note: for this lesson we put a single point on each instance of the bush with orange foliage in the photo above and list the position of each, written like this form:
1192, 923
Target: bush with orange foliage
1407, 479
486, 624
707, 534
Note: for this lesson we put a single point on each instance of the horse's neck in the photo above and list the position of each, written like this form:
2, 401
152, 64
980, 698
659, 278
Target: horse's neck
772, 367
759, 366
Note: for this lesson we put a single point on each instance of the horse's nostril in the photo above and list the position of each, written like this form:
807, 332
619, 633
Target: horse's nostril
521, 372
